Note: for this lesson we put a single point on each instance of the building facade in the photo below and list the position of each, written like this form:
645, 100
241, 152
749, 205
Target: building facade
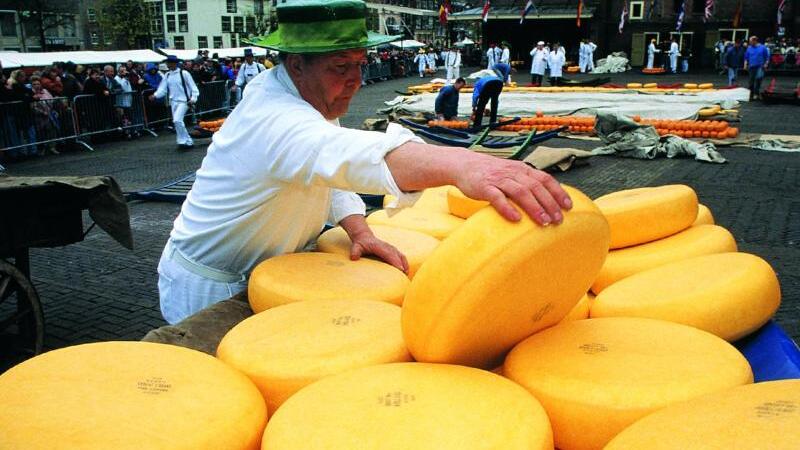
414, 19
21, 32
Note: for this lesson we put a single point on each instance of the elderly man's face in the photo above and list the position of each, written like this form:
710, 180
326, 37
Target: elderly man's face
328, 82
109, 71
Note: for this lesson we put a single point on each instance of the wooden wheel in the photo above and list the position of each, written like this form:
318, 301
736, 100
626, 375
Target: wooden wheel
21, 317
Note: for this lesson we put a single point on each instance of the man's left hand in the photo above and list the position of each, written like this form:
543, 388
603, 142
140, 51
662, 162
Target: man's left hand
367, 244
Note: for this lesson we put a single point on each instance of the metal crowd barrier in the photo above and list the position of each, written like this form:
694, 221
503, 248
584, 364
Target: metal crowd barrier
25, 126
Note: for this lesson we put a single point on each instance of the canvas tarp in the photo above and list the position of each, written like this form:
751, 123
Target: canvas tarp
13, 60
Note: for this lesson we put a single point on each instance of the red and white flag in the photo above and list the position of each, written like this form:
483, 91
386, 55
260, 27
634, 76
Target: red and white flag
781, 7
485, 13
623, 16
709, 11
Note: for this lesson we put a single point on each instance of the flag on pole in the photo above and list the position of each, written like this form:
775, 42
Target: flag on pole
485, 13
737, 16
681, 16
709, 11
781, 7
444, 10
580, 9
528, 8
623, 16
653, 6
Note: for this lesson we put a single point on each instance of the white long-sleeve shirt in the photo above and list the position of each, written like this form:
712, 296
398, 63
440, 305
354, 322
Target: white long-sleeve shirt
674, 49
652, 50
173, 86
247, 72
273, 175
556, 61
453, 59
538, 61
505, 57
491, 57
124, 99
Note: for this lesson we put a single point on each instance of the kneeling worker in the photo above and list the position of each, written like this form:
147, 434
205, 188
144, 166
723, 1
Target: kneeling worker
281, 166
446, 106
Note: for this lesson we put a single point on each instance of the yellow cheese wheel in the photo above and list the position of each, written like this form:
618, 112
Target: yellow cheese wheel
410, 406
727, 294
634, 85
695, 241
462, 206
436, 224
128, 395
493, 283
705, 86
704, 216
414, 245
288, 347
637, 216
323, 276
595, 377
762, 415
650, 85
690, 85
579, 311
431, 199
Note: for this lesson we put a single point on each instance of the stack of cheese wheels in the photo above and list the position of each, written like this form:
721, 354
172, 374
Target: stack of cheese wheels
431, 199
763, 415
433, 223
579, 311
128, 395
596, 377
462, 206
727, 294
290, 346
694, 241
410, 406
414, 245
704, 216
493, 283
637, 216
323, 276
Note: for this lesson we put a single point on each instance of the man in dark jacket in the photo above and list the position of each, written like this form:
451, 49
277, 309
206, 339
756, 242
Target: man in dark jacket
734, 61
447, 101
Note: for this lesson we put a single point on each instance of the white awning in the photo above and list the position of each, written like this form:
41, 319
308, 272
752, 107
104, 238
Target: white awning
466, 41
408, 43
13, 60
235, 52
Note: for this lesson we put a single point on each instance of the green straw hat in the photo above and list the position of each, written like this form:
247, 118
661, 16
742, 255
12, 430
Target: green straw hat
320, 26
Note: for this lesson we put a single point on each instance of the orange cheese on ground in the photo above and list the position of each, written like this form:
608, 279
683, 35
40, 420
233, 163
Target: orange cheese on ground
579, 311
296, 277
288, 347
637, 216
704, 216
462, 206
414, 245
431, 199
436, 224
128, 395
762, 415
493, 283
410, 406
595, 377
727, 294
694, 241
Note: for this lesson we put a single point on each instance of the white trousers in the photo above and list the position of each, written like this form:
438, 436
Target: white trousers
183, 292
452, 74
650, 58
178, 112
589, 63
582, 63
673, 62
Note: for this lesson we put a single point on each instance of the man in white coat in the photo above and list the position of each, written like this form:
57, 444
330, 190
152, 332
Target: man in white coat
431, 58
582, 56
491, 57
247, 71
179, 87
674, 52
538, 63
281, 166
422, 60
505, 55
556, 61
452, 64
651, 53
590, 48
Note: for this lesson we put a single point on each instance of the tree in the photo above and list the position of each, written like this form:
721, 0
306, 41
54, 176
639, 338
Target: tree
41, 16
124, 23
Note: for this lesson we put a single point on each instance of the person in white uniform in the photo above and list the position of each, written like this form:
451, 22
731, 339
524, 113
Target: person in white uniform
590, 49
421, 61
582, 56
505, 55
491, 57
281, 166
247, 71
538, 63
651, 53
431, 59
452, 64
674, 52
178, 86
556, 61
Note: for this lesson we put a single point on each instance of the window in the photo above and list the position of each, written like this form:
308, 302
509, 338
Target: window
230, 6
202, 42
95, 39
181, 5
68, 23
238, 24
157, 25
169, 5
170, 23
258, 7
684, 41
179, 42
226, 24
734, 34
91, 15
183, 23
234, 40
217, 41
8, 24
250, 24
637, 10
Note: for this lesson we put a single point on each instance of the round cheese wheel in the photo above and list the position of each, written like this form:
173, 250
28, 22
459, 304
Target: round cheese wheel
634, 85
762, 415
493, 283
128, 395
462, 206
323, 276
436, 224
414, 245
705, 86
704, 216
288, 347
431, 199
694, 241
579, 311
734, 296
595, 377
410, 406
690, 85
637, 216
650, 85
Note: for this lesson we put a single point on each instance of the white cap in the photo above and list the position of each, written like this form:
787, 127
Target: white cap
540, 43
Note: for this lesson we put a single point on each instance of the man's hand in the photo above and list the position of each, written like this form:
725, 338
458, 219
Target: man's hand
152, 98
365, 243
440, 117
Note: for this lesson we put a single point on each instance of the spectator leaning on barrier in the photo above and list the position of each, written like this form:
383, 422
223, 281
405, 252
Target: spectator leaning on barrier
43, 116
182, 92
152, 77
23, 128
51, 81
94, 85
124, 101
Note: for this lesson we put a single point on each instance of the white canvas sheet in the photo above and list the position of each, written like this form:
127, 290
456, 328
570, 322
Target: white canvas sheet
12, 60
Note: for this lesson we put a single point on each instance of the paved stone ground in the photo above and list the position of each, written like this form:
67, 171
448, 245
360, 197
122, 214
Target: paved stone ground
96, 290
